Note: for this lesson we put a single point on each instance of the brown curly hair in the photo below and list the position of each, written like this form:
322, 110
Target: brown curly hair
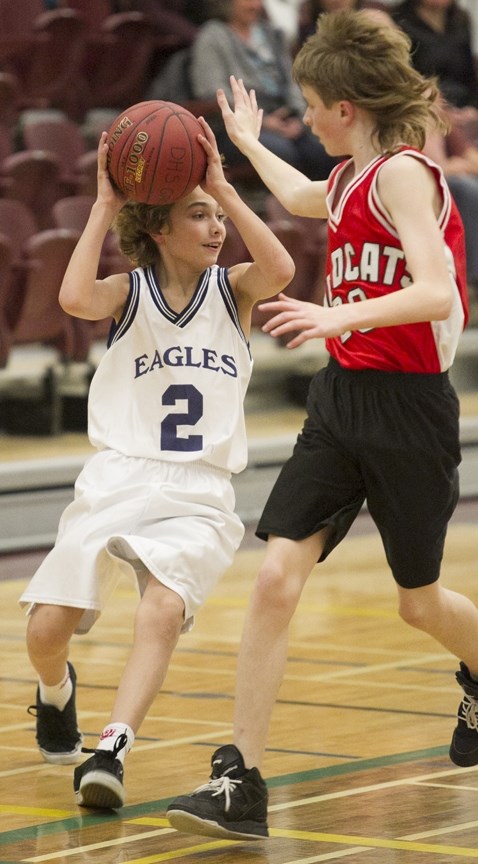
134, 225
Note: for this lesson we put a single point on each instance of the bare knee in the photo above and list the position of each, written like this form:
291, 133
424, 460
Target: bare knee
417, 606
276, 590
50, 629
160, 614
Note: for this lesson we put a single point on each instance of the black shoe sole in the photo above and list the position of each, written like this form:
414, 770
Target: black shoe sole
464, 760
100, 791
67, 758
190, 824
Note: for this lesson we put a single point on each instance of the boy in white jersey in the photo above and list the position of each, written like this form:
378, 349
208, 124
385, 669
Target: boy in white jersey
382, 415
156, 500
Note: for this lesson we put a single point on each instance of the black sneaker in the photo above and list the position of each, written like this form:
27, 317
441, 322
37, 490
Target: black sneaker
233, 804
464, 744
58, 737
98, 783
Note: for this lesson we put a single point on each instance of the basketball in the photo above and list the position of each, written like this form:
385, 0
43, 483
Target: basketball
154, 156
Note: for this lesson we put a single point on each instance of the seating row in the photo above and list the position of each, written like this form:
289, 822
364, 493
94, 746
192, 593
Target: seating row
32, 265
59, 62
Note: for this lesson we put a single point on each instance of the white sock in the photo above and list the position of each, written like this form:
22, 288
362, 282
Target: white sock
110, 735
57, 695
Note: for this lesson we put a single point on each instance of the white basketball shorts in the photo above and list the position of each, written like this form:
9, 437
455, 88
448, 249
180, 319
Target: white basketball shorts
139, 516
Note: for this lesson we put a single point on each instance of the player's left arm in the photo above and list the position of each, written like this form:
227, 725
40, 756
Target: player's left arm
409, 192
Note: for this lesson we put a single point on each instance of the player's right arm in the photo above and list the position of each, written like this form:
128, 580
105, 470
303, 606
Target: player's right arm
298, 194
81, 293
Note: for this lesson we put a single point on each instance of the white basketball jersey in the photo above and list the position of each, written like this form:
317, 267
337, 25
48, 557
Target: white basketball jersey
171, 386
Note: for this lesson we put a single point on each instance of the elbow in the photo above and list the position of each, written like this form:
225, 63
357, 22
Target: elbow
68, 303
443, 305
285, 271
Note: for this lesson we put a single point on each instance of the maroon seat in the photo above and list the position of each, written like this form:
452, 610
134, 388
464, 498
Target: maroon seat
41, 317
118, 60
309, 281
18, 224
6, 281
73, 211
93, 12
53, 76
17, 18
9, 100
63, 138
33, 177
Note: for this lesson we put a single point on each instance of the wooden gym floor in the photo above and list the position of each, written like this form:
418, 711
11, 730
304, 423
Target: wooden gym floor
357, 761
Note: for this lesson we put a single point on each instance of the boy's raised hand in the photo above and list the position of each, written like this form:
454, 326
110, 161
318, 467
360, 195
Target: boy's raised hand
107, 193
214, 172
244, 121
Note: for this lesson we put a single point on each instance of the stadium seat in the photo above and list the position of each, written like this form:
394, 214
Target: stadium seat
18, 224
73, 211
16, 32
93, 12
308, 283
118, 61
6, 284
9, 101
53, 76
33, 177
62, 138
41, 317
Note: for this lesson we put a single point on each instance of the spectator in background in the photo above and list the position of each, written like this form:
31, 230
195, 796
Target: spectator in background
457, 156
239, 41
442, 45
168, 17
284, 14
195, 11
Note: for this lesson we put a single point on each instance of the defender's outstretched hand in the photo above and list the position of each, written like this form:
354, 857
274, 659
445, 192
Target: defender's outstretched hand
244, 121
313, 321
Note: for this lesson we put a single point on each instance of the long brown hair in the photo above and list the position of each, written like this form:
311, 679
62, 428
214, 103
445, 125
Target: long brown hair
352, 57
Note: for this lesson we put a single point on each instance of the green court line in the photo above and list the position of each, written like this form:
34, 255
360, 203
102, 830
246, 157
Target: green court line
135, 811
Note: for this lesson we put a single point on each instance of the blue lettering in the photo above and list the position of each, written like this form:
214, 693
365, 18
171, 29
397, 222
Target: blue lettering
229, 367
140, 364
156, 361
189, 360
173, 359
210, 358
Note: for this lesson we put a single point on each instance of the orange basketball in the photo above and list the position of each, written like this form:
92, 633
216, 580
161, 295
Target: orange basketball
154, 156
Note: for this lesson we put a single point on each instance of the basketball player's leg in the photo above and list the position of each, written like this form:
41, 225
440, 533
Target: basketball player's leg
234, 802
158, 622
452, 619
264, 641
98, 782
49, 632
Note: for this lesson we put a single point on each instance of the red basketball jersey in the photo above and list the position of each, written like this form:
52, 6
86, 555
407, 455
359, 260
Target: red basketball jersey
365, 260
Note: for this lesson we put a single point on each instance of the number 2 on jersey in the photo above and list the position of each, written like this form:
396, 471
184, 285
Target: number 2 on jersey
170, 440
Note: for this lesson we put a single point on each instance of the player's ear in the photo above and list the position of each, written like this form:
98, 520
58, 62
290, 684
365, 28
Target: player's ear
158, 238
346, 109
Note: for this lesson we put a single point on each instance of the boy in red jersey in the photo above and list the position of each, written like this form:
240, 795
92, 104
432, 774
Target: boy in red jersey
382, 422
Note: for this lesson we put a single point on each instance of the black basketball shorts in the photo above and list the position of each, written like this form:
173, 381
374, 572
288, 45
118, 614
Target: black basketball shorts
388, 439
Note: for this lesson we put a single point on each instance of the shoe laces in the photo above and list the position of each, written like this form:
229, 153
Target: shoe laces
470, 710
120, 742
221, 786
